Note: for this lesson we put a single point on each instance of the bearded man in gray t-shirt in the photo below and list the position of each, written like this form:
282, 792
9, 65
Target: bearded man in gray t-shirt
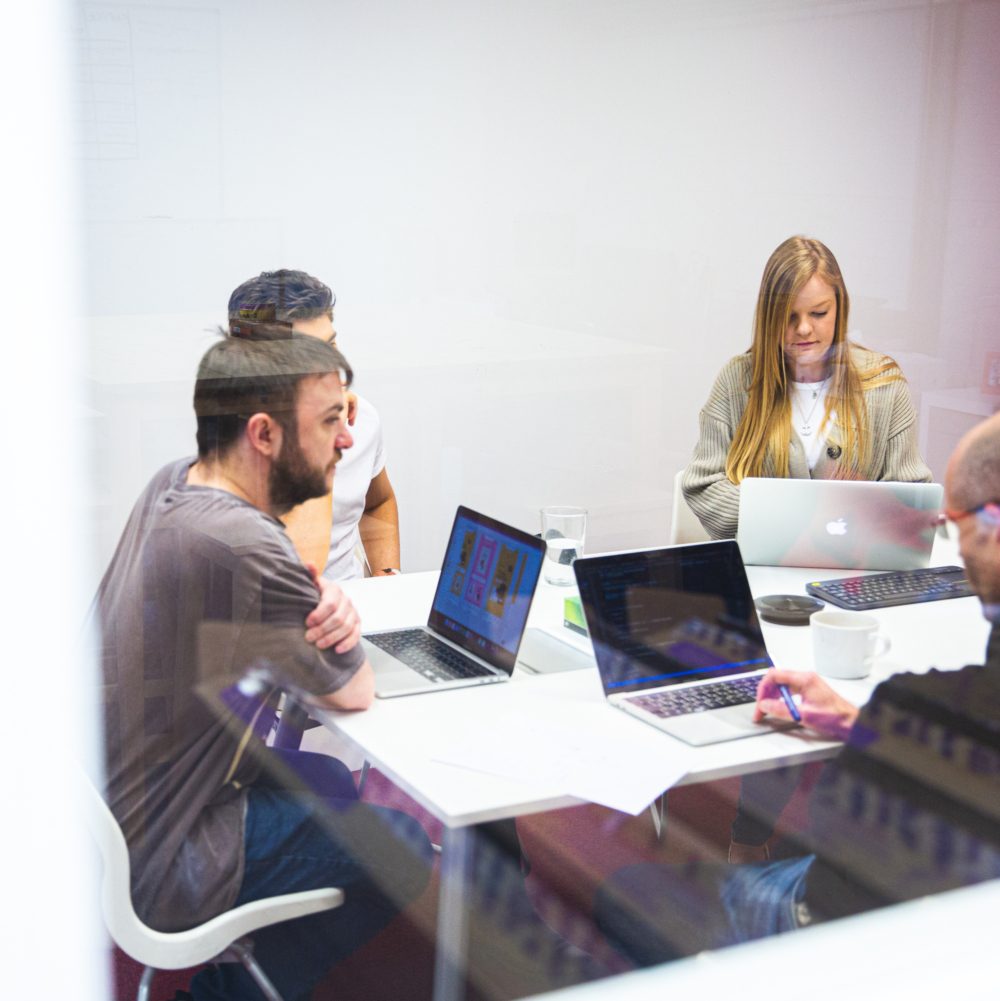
207, 614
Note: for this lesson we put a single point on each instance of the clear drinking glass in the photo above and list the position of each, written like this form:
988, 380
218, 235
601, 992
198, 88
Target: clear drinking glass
564, 530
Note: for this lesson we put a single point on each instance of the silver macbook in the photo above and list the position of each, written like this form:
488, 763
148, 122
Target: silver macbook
676, 638
841, 524
477, 618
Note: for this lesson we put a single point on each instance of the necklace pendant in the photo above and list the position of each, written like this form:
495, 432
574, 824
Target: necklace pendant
806, 429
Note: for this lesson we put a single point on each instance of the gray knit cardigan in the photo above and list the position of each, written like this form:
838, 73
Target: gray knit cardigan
716, 501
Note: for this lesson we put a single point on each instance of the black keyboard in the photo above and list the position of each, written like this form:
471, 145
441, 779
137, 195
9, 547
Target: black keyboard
683, 701
435, 660
900, 587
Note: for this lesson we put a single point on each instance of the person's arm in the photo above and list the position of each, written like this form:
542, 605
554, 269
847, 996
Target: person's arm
334, 622
358, 693
820, 707
313, 644
708, 491
308, 526
903, 462
380, 526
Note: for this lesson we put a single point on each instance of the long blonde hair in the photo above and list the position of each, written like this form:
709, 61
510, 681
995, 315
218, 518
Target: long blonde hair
760, 444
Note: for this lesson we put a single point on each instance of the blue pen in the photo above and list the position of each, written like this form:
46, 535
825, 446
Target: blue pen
790, 702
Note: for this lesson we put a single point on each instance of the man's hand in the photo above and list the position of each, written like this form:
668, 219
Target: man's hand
821, 708
334, 622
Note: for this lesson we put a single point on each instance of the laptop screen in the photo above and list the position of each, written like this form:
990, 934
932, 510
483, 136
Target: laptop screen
667, 616
487, 582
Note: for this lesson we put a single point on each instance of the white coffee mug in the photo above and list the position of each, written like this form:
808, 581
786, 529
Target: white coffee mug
845, 643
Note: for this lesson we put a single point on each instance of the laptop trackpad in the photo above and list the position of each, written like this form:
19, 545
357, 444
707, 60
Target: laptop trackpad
542, 653
718, 725
391, 676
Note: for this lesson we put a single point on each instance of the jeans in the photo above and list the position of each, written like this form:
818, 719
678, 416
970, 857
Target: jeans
305, 838
655, 913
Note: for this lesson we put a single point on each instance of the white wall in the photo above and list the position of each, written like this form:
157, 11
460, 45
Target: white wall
50, 929
545, 222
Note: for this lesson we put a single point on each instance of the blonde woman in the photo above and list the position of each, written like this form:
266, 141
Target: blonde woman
803, 402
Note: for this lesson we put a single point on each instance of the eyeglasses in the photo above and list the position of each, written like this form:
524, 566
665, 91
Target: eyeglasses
956, 516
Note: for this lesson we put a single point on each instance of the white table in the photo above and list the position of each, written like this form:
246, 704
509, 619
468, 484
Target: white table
402, 735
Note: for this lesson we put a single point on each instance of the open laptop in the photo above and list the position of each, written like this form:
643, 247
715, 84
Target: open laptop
477, 618
676, 638
843, 524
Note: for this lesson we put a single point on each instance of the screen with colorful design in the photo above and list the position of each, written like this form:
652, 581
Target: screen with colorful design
487, 582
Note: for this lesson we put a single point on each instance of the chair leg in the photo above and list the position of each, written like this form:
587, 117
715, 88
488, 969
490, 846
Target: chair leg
253, 968
145, 983
294, 720
658, 811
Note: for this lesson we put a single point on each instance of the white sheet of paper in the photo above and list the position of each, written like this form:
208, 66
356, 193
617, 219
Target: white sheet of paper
579, 747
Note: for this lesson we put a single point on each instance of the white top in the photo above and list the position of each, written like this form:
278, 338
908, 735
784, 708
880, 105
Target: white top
808, 409
353, 476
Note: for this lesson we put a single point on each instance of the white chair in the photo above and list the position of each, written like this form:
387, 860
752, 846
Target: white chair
684, 524
220, 939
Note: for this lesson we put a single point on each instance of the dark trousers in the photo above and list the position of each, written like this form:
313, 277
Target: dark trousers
306, 829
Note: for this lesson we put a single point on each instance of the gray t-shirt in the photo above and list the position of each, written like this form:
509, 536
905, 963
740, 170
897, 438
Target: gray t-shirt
203, 590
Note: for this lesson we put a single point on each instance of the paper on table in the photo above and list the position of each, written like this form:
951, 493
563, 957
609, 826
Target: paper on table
577, 747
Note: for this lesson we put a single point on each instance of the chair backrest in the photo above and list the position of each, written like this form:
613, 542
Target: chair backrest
684, 523
179, 949
122, 922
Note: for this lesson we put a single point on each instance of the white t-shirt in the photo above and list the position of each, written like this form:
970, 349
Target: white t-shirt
808, 410
353, 476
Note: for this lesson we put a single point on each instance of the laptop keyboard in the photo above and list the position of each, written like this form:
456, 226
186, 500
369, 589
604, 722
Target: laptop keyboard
699, 698
428, 656
900, 587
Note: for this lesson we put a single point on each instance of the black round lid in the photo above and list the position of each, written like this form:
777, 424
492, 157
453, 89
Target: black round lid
787, 609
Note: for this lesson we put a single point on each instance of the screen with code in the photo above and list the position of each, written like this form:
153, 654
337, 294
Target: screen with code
667, 616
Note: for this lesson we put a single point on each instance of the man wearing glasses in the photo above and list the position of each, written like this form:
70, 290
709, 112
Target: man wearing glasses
907, 808
972, 493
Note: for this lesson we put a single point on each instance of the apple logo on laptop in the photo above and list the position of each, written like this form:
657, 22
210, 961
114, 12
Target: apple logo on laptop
838, 527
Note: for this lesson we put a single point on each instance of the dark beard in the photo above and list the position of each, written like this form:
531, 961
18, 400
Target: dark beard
292, 480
